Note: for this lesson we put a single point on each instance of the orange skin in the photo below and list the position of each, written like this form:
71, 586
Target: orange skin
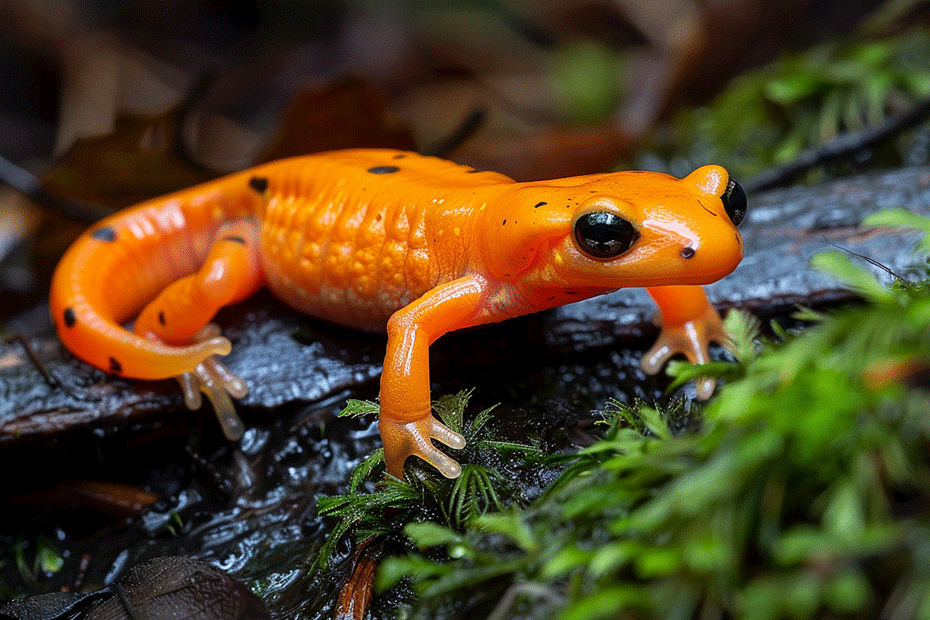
384, 240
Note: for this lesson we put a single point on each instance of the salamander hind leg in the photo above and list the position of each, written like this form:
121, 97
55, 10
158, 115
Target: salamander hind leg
181, 313
689, 324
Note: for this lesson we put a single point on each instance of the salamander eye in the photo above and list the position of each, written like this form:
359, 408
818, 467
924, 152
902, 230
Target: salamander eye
604, 235
734, 202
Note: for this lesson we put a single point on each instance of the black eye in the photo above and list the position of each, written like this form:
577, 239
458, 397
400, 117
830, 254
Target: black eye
734, 202
604, 235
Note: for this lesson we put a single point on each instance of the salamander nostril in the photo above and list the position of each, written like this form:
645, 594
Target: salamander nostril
688, 252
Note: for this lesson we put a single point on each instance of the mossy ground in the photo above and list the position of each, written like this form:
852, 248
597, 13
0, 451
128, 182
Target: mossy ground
804, 493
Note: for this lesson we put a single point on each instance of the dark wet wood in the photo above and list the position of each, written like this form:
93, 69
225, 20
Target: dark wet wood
289, 359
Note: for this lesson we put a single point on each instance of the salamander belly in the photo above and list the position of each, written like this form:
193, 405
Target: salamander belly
347, 259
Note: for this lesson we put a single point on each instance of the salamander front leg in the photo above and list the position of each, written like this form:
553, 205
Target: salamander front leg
180, 315
407, 424
689, 324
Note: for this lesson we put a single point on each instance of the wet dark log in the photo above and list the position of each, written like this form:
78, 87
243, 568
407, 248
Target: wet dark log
289, 359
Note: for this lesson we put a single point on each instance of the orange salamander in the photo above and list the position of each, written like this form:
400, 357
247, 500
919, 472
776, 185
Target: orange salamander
383, 240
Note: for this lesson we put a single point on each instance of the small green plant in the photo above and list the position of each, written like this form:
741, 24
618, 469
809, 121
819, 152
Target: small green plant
423, 494
46, 559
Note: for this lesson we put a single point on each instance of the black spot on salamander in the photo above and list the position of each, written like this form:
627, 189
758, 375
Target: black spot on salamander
115, 367
70, 317
259, 184
473, 171
571, 292
161, 318
383, 169
105, 233
551, 298
234, 239
539, 204
399, 156
505, 223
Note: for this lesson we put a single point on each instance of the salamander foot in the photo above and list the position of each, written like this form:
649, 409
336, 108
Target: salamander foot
218, 383
404, 439
692, 339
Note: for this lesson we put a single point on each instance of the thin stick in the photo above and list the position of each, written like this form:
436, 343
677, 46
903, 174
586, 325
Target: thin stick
842, 146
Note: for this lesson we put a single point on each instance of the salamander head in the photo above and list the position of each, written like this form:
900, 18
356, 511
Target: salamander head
616, 230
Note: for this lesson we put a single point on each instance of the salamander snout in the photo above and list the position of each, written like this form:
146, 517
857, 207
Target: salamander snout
713, 252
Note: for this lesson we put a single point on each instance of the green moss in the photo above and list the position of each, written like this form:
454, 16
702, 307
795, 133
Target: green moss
393, 504
766, 117
584, 74
804, 494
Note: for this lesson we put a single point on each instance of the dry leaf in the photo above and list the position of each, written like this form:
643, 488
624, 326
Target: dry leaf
102, 79
349, 114
140, 159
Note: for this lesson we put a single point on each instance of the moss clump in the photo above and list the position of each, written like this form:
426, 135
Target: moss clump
805, 494
385, 508
767, 117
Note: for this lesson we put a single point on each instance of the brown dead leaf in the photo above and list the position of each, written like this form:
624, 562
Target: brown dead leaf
103, 78
140, 159
505, 142
117, 499
18, 219
31, 241
548, 153
349, 114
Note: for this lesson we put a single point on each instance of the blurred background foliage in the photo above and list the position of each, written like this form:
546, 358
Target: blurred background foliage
154, 94
767, 117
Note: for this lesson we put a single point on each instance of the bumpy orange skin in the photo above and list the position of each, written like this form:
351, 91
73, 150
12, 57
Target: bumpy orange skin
383, 240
